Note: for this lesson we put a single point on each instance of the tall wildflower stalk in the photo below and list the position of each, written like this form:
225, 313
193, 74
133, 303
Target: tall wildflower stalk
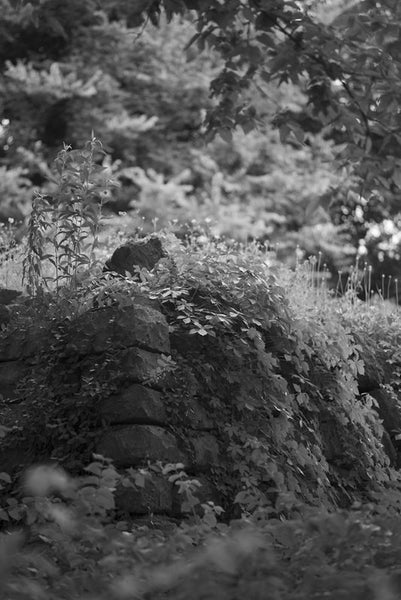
63, 229
38, 226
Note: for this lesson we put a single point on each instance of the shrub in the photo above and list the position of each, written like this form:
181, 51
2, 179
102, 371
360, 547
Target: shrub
71, 548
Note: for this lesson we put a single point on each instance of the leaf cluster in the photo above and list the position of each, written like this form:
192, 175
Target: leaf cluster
72, 548
349, 68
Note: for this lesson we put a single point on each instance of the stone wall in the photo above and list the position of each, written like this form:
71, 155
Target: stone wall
140, 426
137, 425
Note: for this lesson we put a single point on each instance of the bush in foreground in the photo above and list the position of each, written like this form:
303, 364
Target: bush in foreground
70, 547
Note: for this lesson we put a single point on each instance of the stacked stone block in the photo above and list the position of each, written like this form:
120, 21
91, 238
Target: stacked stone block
138, 431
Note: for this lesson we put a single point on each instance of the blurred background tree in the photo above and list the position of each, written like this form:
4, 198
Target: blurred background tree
304, 170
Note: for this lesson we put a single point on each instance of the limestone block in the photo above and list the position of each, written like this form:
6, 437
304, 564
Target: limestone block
19, 344
205, 451
8, 296
135, 254
95, 331
186, 344
139, 365
128, 366
135, 404
133, 445
155, 497
11, 374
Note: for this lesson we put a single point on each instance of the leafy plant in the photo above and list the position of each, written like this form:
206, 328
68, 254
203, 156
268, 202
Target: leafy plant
287, 42
63, 230
73, 549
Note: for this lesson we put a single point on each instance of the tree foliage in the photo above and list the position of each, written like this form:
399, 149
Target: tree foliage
349, 68
69, 69
323, 73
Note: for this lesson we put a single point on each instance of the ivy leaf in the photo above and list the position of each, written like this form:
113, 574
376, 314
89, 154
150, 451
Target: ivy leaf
226, 134
397, 178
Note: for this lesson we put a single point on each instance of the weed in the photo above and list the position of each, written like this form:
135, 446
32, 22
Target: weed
63, 229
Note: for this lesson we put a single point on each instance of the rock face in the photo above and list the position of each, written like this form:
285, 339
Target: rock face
135, 404
132, 326
129, 257
137, 365
133, 445
8, 296
138, 428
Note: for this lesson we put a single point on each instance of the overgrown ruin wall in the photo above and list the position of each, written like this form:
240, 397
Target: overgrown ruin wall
138, 428
138, 423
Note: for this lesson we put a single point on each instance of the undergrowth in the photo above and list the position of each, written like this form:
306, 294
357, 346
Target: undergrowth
72, 547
